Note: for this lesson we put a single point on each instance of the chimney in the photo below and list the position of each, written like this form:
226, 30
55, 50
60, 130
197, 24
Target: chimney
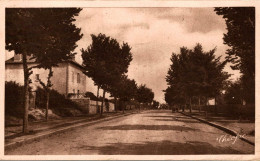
73, 58
17, 57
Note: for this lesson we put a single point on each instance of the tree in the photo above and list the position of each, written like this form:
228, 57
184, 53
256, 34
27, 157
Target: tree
61, 36
24, 41
144, 94
124, 88
40, 34
127, 89
234, 93
156, 104
194, 73
240, 37
173, 96
105, 61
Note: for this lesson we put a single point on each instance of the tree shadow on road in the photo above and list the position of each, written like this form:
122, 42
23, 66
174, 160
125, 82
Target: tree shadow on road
147, 127
156, 116
161, 148
159, 111
174, 120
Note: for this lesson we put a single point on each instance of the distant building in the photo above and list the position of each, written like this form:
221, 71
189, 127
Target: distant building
67, 78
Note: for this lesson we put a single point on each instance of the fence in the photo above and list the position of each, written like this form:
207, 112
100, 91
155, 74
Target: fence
234, 110
93, 107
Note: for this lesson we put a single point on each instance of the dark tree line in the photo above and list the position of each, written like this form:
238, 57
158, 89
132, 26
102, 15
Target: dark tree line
194, 73
49, 36
107, 62
240, 37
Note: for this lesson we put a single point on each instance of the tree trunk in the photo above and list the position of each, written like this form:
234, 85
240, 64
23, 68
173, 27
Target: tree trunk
199, 105
47, 104
206, 111
216, 109
186, 103
26, 94
97, 98
48, 86
190, 105
115, 102
124, 106
102, 104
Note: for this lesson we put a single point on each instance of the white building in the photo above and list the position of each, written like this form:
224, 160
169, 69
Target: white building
67, 78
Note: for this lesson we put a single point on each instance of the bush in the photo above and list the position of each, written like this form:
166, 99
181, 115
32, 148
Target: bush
58, 102
91, 96
13, 99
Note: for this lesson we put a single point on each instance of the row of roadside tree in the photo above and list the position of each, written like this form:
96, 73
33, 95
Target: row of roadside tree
198, 75
194, 73
107, 62
49, 36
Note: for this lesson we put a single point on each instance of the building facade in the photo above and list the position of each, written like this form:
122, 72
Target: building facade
68, 77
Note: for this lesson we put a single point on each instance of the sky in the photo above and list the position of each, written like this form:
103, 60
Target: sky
154, 34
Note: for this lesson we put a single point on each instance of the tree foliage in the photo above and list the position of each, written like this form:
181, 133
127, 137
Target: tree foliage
172, 95
234, 93
240, 37
105, 60
43, 33
156, 104
126, 88
194, 73
144, 94
46, 34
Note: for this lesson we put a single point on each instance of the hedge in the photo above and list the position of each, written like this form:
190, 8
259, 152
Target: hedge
14, 101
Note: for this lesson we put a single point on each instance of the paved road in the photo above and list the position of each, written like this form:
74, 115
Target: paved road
147, 133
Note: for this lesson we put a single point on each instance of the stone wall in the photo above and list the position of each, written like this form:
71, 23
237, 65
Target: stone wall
83, 104
111, 106
91, 106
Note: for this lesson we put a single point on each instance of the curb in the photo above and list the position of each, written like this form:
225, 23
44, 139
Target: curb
229, 131
60, 130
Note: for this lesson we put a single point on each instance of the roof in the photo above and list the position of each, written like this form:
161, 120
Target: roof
76, 63
31, 61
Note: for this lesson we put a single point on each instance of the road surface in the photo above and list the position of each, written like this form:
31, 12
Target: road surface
146, 133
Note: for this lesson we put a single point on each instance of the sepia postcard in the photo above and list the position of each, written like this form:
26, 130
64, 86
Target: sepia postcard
129, 80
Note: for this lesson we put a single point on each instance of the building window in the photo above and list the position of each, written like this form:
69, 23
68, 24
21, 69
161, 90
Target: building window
74, 91
83, 81
78, 78
72, 76
37, 77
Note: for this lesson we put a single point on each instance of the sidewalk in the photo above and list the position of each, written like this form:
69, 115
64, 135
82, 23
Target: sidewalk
40, 129
239, 127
